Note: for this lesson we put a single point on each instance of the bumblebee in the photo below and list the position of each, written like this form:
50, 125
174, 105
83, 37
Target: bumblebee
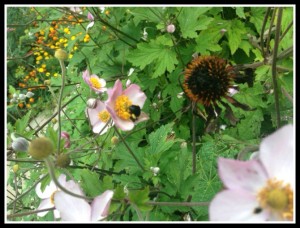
135, 112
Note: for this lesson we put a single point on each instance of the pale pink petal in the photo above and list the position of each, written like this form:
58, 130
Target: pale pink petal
276, 153
47, 191
74, 187
56, 214
93, 112
62, 179
100, 205
142, 117
72, 208
98, 127
45, 203
135, 95
102, 82
124, 125
90, 16
86, 77
242, 175
230, 205
114, 93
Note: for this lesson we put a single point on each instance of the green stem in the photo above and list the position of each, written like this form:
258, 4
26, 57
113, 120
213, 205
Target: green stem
180, 204
28, 190
50, 167
138, 212
263, 31
274, 72
63, 75
128, 148
270, 30
29, 213
51, 117
194, 138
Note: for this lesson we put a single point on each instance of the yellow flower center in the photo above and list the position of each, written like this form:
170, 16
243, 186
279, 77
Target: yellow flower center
95, 83
122, 107
52, 197
277, 197
104, 116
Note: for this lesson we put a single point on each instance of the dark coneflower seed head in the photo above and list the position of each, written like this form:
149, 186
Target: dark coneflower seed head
207, 79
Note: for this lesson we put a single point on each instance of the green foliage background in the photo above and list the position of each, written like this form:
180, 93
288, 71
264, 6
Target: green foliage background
165, 140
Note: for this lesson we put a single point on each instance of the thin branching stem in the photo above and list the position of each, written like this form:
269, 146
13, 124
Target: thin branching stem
274, 71
263, 31
128, 148
29, 213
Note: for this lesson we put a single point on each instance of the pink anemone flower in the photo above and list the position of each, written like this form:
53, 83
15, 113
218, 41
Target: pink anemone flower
261, 189
95, 83
125, 106
99, 118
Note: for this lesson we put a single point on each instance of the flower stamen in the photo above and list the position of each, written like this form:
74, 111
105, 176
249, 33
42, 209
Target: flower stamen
277, 197
104, 116
95, 83
122, 105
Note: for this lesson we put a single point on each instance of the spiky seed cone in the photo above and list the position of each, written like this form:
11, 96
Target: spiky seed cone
41, 148
63, 160
207, 79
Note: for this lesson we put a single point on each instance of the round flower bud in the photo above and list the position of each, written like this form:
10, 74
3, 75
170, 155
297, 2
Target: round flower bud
13, 100
183, 145
20, 144
41, 148
114, 140
91, 103
47, 82
61, 54
171, 28
63, 160
155, 170
22, 96
54, 120
15, 168
29, 94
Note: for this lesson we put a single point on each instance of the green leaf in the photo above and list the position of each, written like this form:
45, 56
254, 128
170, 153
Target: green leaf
246, 47
148, 14
158, 139
208, 41
240, 12
235, 33
249, 128
191, 20
90, 183
163, 57
21, 124
257, 17
140, 198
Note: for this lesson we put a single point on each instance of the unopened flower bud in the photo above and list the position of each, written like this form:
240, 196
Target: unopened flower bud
61, 54
130, 71
128, 82
47, 82
171, 28
114, 140
13, 100
63, 160
29, 94
20, 144
66, 136
15, 168
155, 170
15, 96
41, 148
183, 145
22, 96
91, 103
54, 120
222, 31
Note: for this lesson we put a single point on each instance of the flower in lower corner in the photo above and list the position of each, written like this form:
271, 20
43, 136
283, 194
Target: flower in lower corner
95, 83
47, 196
99, 118
261, 189
125, 106
76, 209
